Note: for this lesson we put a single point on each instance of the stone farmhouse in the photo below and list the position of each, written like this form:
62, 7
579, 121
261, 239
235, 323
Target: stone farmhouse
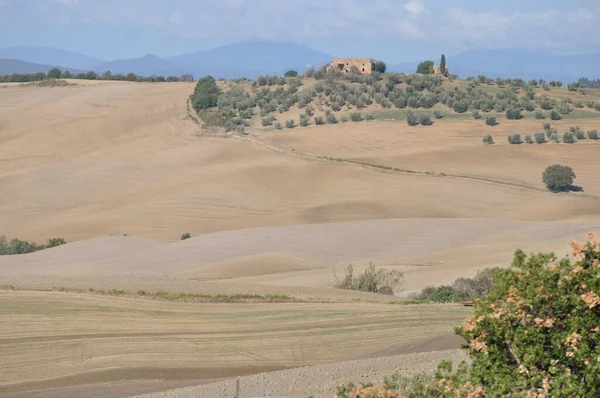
351, 65
437, 70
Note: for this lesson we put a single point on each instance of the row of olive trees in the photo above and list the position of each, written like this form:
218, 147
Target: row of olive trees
56, 73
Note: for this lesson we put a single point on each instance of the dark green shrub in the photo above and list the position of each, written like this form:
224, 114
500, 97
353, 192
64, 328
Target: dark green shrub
547, 126
267, 121
356, 117
539, 115
460, 107
554, 137
54, 242
568, 138
369, 117
344, 119
488, 139
558, 178
592, 134
206, 94
528, 139
540, 137
437, 114
467, 289
186, 236
476, 115
331, 119
290, 124
18, 246
564, 109
591, 104
515, 139
412, 118
513, 114
278, 126
579, 134
425, 119
319, 120
291, 73
491, 121
554, 115
304, 120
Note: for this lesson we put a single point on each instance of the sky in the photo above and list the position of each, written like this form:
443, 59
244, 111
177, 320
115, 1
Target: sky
393, 30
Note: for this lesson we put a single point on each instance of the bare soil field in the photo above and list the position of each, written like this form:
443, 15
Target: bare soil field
121, 170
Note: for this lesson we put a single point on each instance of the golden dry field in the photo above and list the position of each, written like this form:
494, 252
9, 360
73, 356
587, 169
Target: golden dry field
122, 170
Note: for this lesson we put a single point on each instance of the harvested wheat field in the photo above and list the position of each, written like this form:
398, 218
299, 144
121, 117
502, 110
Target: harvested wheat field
122, 170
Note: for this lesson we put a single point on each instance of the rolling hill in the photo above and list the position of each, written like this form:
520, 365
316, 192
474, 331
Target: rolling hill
10, 66
50, 56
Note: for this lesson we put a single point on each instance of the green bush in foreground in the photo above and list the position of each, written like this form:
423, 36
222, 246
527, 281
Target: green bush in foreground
536, 334
592, 134
488, 139
515, 139
528, 139
186, 236
558, 178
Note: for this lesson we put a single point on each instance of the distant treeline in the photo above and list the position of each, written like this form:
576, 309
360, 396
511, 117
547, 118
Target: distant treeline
585, 82
58, 74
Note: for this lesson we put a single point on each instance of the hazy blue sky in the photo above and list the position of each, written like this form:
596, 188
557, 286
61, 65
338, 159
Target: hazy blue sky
394, 30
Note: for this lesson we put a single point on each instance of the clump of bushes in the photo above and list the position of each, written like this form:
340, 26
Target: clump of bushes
186, 236
488, 139
476, 115
558, 178
369, 117
278, 126
577, 132
304, 120
554, 115
267, 121
356, 117
437, 114
18, 246
467, 289
539, 115
380, 281
319, 120
331, 119
568, 138
290, 124
491, 121
540, 137
515, 139
528, 139
592, 134
513, 114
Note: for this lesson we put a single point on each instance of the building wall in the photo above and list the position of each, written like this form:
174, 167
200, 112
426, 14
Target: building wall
344, 65
436, 70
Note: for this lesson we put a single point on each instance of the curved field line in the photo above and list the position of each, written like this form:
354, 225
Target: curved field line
384, 168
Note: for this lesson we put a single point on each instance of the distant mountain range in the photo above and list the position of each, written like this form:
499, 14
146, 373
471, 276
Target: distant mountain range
253, 58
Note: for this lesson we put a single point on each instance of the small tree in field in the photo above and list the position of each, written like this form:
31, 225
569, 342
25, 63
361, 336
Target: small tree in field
412, 119
54, 73
592, 134
558, 178
491, 121
291, 73
186, 236
488, 139
540, 137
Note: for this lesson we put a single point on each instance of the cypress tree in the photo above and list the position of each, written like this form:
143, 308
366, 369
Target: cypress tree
443, 65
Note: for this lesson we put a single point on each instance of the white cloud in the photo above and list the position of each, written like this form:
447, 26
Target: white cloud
415, 7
